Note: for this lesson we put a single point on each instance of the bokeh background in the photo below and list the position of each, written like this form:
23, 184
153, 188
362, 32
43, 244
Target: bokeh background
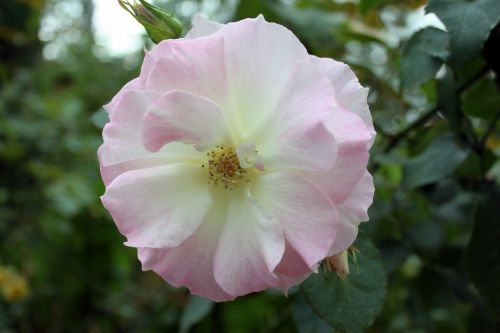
63, 265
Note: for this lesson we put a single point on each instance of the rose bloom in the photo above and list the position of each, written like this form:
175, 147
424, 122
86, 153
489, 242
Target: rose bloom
236, 161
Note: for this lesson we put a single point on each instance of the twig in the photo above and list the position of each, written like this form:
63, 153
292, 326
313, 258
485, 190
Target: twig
429, 114
417, 123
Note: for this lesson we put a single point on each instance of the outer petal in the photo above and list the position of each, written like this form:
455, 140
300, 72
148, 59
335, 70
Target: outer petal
122, 135
352, 157
191, 263
154, 207
306, 213
137, 83
196, 66
292, 269
203, 27
123, 149
348, 91
174, 153
132, 84
353, 211
257, 68
295, 135
250, 247
183, 117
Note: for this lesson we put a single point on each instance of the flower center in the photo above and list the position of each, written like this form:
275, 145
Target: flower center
224, 168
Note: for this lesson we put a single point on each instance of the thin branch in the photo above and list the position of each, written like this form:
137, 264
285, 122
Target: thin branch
429, 114
404, 133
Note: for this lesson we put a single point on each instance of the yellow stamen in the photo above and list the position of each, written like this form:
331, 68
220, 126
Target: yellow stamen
224, 168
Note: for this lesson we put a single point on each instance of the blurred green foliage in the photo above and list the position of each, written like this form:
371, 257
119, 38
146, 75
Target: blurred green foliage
435, 101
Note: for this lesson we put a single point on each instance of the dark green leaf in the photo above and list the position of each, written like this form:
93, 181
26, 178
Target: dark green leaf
469, 24
483, 250
449, 105
423, 56
306, 320
439, 160
196, 309
352, 304
426, 234
448, 100
482, 100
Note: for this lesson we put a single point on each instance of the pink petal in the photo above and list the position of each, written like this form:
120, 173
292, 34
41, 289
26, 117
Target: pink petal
173, 153
203, 27
153, 207
292, 264
132, 84
292, 269
135, 84
196, 66
183, 117
191, 263
348, 91
260, 58
307, 215
352, 139
353, 210
122, 135
123, 149
340, 181
250, 247
295, 135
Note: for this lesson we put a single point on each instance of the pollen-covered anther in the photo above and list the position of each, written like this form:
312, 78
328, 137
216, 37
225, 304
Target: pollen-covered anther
224, 168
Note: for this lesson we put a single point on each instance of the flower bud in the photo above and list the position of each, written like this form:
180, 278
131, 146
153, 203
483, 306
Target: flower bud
159, 24
339, 263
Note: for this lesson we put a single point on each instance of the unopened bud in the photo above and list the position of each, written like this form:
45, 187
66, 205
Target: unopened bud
339, 263
159, 24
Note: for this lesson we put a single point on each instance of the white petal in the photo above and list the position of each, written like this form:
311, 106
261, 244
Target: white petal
184, 117
295, 135
257, 68
160, 206
307, 215
250, 247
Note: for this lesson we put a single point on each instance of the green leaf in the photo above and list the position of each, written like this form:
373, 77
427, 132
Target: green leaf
469, 24
449, 104
196, 309
306, 320
448, 99
483, 251
423, 56
439, 160
353, 303
482, 100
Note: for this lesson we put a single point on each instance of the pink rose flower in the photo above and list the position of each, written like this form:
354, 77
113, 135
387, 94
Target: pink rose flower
236, 161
